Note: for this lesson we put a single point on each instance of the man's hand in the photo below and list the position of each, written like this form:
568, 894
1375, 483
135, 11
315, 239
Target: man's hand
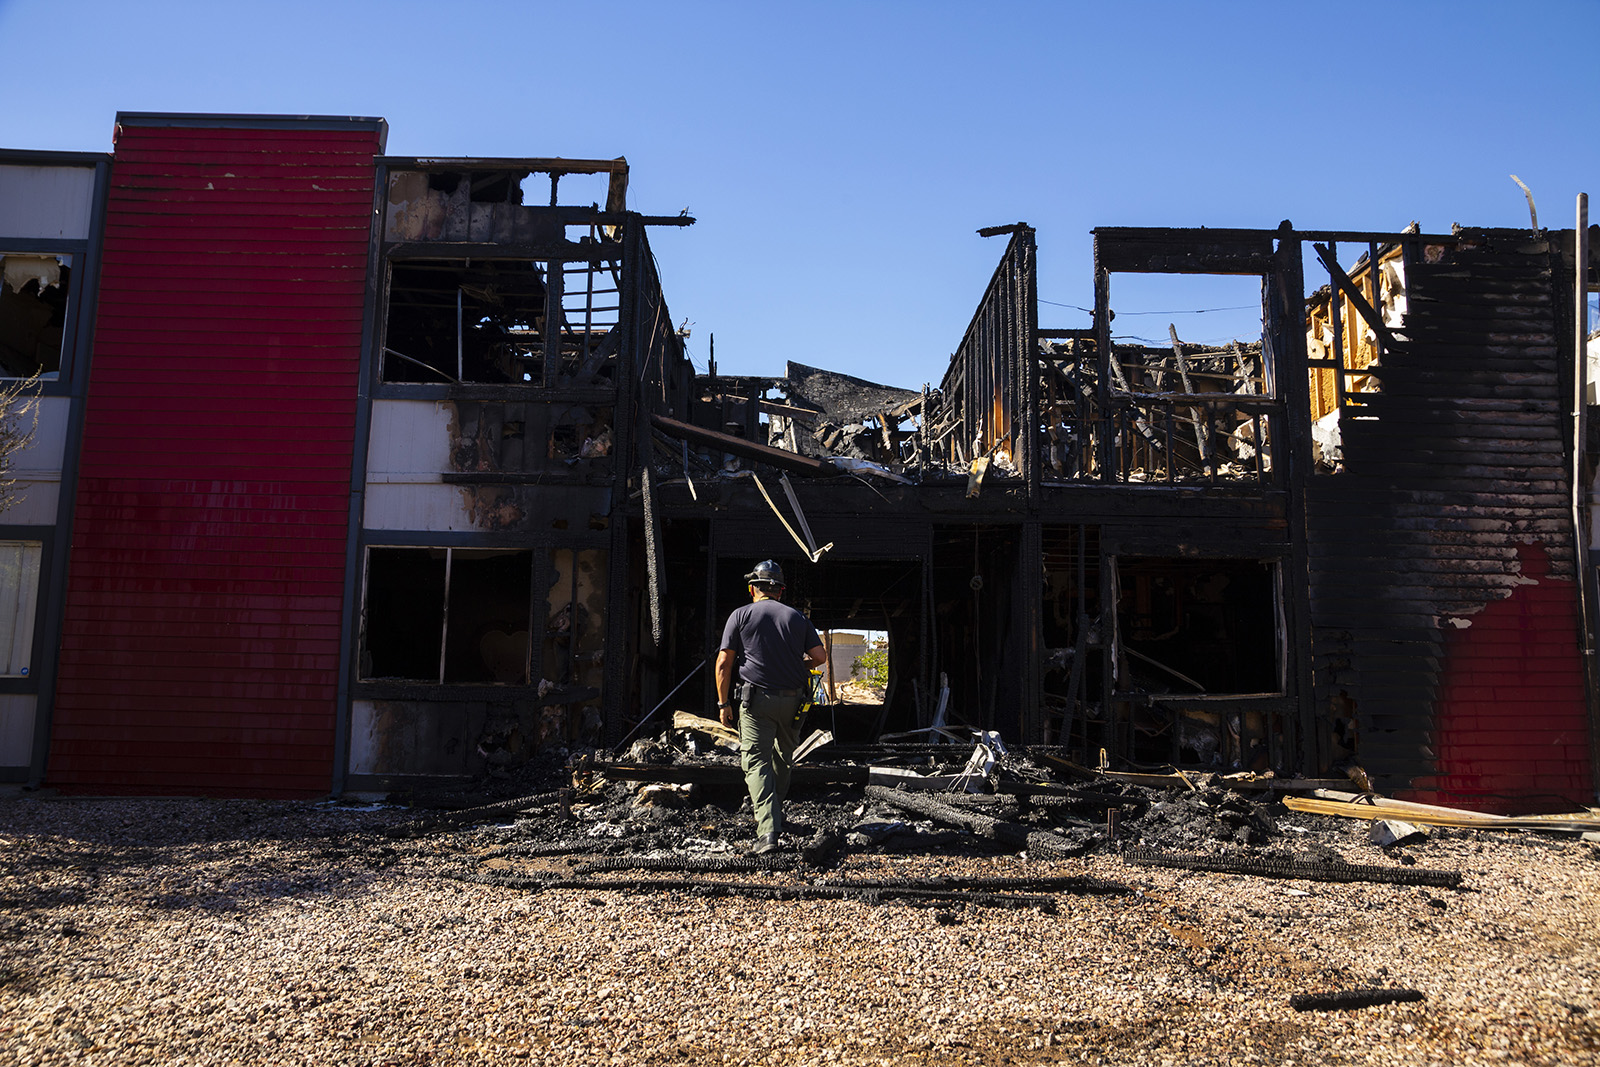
725, 666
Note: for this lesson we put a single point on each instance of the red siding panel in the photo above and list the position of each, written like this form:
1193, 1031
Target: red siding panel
200, 646
1512, 724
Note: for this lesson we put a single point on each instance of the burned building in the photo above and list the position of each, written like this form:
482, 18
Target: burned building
1348, 543
418, 481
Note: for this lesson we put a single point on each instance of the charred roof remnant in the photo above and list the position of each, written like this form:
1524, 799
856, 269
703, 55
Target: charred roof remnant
842, 397
832, 414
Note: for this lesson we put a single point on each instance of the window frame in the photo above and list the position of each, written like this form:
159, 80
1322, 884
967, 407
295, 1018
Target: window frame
441, 678
59, 381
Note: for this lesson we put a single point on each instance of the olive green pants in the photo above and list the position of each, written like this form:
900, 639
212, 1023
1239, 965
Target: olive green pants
767, 736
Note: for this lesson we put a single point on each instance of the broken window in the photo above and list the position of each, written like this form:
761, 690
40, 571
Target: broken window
528, 322
447, 615
34, 289
19, 590
579, 432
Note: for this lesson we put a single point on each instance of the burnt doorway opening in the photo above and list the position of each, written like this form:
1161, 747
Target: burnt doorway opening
1073, 676
979, 626
851, 596
1198, 657
671, 626
1197, 626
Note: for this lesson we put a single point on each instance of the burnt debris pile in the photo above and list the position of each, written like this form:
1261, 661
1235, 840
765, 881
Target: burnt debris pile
671, 814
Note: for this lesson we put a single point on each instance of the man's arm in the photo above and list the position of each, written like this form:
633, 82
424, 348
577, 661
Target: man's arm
725, 663
817, 656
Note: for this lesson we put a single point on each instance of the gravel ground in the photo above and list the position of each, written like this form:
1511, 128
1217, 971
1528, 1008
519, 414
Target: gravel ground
258, 932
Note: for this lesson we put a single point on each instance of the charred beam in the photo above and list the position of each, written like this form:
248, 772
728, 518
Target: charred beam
724, 774
1316, 872
739, 446
1354, 295
1000, 231
1353, 998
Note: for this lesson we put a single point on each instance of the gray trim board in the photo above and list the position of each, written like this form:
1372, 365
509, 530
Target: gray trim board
255, 122
27, 157
54, 592
71, 245
358, 486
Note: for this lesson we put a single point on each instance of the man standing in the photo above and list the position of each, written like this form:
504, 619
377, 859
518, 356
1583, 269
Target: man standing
772, 648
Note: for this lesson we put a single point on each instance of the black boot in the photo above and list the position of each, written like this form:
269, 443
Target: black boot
765, 844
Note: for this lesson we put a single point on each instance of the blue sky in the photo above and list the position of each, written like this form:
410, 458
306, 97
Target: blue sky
839, 156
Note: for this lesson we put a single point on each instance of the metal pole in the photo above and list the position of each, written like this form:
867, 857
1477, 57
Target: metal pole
639, 725
444, 620
827, 642
1587, 593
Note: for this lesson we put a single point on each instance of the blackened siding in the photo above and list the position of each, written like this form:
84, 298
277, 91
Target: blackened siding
201, 636
1443, 598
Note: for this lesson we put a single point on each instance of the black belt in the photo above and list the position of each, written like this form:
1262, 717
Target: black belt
777, 692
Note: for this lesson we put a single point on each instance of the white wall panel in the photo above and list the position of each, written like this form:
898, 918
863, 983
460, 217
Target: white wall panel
365, 744
36, 504
50, 202
43, 457
398, 506
17, 713
408, 453
37, 468
409, 442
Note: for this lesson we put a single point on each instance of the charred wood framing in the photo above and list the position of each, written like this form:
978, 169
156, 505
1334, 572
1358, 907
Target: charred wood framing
775, 457
989, 389
1346, 999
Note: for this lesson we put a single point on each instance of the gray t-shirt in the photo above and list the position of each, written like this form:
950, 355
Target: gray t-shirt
771, 640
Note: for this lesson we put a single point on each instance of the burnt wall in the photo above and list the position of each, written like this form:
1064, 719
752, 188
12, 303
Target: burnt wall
1444, 606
